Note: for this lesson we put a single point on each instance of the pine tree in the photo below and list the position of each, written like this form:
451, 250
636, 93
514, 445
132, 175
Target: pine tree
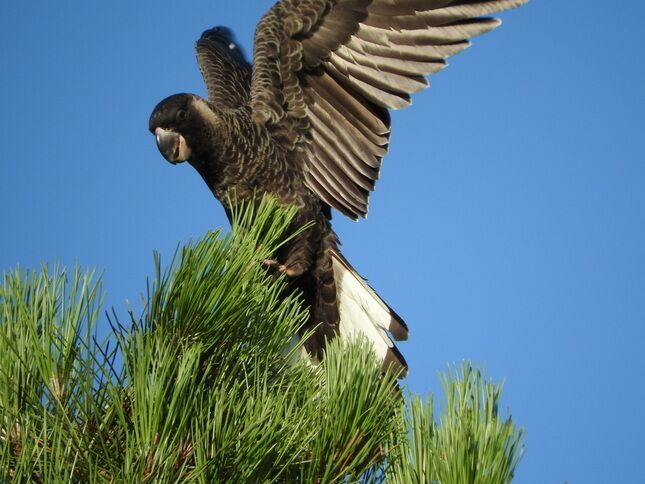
208, 385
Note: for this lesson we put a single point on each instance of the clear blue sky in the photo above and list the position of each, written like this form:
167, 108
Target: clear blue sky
508, 227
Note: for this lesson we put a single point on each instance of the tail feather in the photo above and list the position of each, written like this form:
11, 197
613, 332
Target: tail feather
363, 312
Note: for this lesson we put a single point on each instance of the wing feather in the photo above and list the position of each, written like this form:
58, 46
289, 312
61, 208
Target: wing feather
372, 122
226, 73
327, 71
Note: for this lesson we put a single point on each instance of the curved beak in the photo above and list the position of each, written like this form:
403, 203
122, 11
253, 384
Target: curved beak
172, 145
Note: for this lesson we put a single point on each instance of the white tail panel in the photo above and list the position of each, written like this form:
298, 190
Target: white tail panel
363, 312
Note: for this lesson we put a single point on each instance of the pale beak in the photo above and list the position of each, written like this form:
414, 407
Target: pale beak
172, 145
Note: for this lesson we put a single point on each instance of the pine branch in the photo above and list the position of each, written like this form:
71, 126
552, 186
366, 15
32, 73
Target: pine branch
208, 385
470, 444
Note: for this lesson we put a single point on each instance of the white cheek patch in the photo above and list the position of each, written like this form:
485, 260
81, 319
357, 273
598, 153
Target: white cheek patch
204, 111
183, 150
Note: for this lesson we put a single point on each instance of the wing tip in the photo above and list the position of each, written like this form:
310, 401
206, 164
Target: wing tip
218, 32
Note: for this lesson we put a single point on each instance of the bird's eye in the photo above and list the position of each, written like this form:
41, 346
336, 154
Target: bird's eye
181, 115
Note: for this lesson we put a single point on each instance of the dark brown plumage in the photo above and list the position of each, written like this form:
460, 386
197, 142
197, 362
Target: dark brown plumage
309, 124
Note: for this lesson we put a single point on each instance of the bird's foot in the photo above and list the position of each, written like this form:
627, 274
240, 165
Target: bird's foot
277, 268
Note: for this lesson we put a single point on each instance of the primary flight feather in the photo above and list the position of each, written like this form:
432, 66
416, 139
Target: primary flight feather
308, 123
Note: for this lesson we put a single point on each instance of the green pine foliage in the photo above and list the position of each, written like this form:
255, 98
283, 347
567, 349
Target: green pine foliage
470, 444
209, 385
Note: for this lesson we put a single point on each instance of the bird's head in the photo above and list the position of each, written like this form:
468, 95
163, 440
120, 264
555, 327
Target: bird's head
177, 123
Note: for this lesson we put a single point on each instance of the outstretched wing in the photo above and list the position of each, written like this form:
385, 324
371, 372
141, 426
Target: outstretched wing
326, 72
226, 72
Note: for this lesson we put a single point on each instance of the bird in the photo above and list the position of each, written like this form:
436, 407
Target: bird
308, 123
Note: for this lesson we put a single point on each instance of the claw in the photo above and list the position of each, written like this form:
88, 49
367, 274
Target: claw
276, 267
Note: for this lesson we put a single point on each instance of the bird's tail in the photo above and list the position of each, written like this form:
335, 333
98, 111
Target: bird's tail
364, 313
